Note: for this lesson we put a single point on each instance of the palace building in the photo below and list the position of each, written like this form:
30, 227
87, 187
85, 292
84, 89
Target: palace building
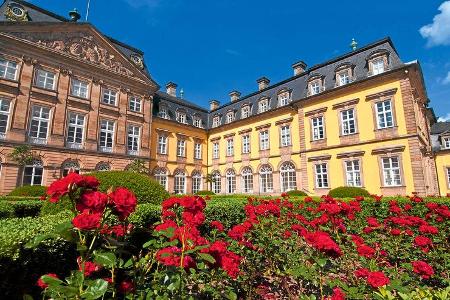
84, 101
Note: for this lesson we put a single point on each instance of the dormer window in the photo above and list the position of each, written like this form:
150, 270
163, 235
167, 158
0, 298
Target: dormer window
216, 121
314, 87
263, 105
230, 116
378, 62
163, 113
446, 142
181, 117
344, 74
377, 66
283, 98
245, 111
197, 122
343, 78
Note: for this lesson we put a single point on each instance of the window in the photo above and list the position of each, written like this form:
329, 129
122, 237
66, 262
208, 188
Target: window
106, 135
135, 104
8, 69
4, 116
391, 171
245, 144
197, 122
318, 128
163, 113
263, 106
32, 173
198, 151
378, 66
245, 111
266, 179
247, 180
180, 182
321, 175
196, 182
230, 147
448, 177
353, 172
288, 177
216, 121
343, 78
161, 176
79, 88
181, 117
445, 141
314, 88
75, 131
348, 122
40, 118
70, 166
133, 139
264, 140
283, 99
109, 97
216, 150
181, 148
162, 144
231, 182
285, 136
45, 79
230, 117
103, 166
384, 114
216, 184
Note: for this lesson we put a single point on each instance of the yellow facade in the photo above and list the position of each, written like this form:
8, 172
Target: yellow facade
442, 160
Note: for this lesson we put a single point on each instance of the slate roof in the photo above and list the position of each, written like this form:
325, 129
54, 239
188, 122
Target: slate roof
38, 14
440, 127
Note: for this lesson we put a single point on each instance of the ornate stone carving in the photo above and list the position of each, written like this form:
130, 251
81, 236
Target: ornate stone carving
65, 71
78, 45
137, 60
29, 60
16, 12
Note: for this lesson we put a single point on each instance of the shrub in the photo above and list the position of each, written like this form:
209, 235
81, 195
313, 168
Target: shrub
296, 193
20, 209
204, 193
6, 210
145, 189
29, 190
348, 192
49, 208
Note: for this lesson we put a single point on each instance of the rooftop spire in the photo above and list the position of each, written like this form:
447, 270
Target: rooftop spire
353, 44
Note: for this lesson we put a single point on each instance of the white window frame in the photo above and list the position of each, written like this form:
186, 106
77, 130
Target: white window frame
230, 177
107, 134
135, 103
42, 123
247, 180
230, 147
216, 184
230, 117
181, 148
245, 111
383, 115
109, 96
263, 105
197, 122
288, 177
321, 175
285, 135
314, 87
446, 143
264, 140
75, 128
448, 176
318, 128
348, 121
391, 168
163, 112
8, 69
283, 99
216, 150
353, 172
246, 144
79, 88
179, 186
133, 139
266, 179
162, 143
161, 177
45, 79
4, 116
378, 66
181, 117
196, 182
197, 151
35, 168
343, 78
216, 121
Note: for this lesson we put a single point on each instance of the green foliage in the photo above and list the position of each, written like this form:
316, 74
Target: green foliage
20, 209
29, 191
138, 166
49, 208
145, 189
22, 155
296, 193
6, 210
348, 192
204, 193
145, 215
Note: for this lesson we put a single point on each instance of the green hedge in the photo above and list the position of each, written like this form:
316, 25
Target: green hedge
204, 193
145, 189
348, 192
20, 209
49, 208
297, 193
29, 190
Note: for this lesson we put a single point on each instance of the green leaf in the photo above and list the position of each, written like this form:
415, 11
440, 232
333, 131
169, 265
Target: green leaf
27, 297
322, 262
107, 259
37, 240
207, 257
96, 289
231, 295
149, 243
51, 281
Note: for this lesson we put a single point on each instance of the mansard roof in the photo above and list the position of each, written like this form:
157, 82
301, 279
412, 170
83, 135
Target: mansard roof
440, 127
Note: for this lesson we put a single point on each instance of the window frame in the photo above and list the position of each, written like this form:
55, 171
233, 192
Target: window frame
181, 147
230, 117
135, 139
245, 111
266, 179
247, 180
163, 142
37, 139
216, 184
109, 94
285, 99
77, 127
321, 177
391, 170
179, 177
37, 164
6, 64
79, 88
391, 111
318, 126
216, 150
197, 150
196, 182
108, 134
39, 71
135, 103
246, 147
161, 175
446, 142
288, 177
216, 121
263, 105
264, 141
285, 138
353, 175
230, 147
230, 181
4, 113
347, 121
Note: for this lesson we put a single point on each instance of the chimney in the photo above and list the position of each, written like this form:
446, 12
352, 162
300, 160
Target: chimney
263, 82
213, 105
234, 95
171, 89
299, 67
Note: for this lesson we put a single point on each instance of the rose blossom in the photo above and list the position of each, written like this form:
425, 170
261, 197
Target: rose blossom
366, 251
87, 267
422, 268
124, 202
377, 279
93, 201
218, 225
87, 221
126, 286
40, 283
61, 187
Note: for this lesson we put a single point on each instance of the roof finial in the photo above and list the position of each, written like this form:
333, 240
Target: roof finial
74, 15
181, 93
353, 44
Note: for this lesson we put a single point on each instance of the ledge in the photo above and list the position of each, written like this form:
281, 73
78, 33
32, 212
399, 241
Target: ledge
381, 94
287, 120
350, 154
345, 103
386, 150
263, 126
245, 131
229, 135
320, 157
316, 111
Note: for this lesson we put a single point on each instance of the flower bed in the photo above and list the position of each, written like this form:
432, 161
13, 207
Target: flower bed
267, 248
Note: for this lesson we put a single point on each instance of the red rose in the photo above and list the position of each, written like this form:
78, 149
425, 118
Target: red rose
423, 269
377, 279
217, 225
90, 182
361, 273
93, 201
124, 202
396, 231
422, 241
373, 222
40, 283
424, 229
61, 187
308, 199
87, 221
359, 198
287, 234
366, 251
323, 242
87, 267
126, 287
338, 294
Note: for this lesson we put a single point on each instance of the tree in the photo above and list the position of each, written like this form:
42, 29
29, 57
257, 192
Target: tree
138, 166
210, 179
22, 155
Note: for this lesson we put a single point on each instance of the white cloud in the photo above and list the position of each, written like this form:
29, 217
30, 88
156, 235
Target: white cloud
143, 3
445, 118
446, 79
438, 32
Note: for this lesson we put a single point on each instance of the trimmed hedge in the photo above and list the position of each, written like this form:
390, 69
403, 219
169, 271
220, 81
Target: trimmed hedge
145, 189
204, 193
296, 193
348, 192
29, 191
20, 209
49, 208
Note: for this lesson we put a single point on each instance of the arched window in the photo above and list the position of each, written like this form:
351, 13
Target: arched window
266, 179
196, 181
103, 166
247, 180
161, 176
288, 177
180, 182
231, 181
32, 173
70, 166
216, 184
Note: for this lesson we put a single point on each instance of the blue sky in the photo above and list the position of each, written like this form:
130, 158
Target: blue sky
212, 47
